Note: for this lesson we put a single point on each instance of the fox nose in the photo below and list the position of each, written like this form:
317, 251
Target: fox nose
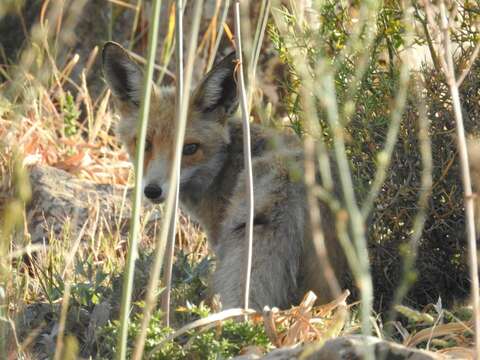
152, 191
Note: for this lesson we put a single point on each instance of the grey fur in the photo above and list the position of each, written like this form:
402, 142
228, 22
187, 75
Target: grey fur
285, 264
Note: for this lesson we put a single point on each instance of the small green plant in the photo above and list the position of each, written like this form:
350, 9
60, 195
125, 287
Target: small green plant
222, 342
70, 115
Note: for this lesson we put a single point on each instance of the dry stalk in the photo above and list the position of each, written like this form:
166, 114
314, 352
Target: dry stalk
66, 294
246, 154
211, 319
424, 196
218, 37
384, 156
167, 274
257, 46
357, 226
137, 202
470, 62
152, 290
309, 144
449, 71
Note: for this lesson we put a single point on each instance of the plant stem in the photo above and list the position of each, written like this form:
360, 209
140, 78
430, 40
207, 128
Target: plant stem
466, 180
151, 295
247, 156
167, 275
137, 201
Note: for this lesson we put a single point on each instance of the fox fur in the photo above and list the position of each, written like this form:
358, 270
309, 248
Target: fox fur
212, 185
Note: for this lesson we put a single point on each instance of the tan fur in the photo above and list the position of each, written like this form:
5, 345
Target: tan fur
213, 192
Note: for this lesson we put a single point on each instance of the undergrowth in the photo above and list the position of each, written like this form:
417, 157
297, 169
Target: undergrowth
55, 121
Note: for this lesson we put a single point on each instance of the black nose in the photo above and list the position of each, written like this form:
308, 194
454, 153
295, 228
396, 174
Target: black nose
152, 191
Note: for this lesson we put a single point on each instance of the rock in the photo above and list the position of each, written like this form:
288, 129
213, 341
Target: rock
63, 204
348, 348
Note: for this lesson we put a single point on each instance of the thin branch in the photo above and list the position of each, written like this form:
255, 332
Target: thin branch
211, 319
431, 48
313, 139
152, 289
220, 30
424, 196
137, 201
384, 157
467, 185
357, 225
470, 62
167, 273
66, 293
257, 46
246, 154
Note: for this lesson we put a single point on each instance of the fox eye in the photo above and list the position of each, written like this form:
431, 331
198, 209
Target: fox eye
148, 145
190, 149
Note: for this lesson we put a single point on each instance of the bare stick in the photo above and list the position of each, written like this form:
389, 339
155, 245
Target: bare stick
423, 198
257, 46
357, 225
246, 154
167, 273
151, 296
384, 157
314, 131
137, 201
209, 320
467, 185
226, 6
470, 62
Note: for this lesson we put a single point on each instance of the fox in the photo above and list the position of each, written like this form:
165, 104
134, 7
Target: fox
285, 264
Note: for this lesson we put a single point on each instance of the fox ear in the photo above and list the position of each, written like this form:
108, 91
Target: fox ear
123, 75
218, 90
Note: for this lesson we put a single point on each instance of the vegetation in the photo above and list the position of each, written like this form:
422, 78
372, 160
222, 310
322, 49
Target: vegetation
347, 74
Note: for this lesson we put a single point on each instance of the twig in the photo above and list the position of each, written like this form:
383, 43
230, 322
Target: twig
314, 131
467, 185
257, 46
157, 67
470, 62
246, 154
384, 156
151, 296
431, 48
167, 274
66, 293
221, 316
357, 226
137, 201
421, 216
218, 38
138, 8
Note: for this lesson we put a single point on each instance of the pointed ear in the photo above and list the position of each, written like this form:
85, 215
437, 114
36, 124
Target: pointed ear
218, 90
123, 75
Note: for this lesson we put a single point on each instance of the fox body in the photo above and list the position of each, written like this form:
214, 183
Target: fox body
212, 185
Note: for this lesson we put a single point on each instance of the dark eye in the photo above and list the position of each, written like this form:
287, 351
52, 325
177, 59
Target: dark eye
190, 149
148, 145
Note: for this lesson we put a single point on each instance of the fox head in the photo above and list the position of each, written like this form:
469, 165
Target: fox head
212, 103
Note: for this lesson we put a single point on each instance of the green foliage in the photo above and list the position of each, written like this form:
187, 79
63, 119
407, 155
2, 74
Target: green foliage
190, 285
365, 63
70, 115
222, 342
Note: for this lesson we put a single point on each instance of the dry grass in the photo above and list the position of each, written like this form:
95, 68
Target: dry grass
44, 124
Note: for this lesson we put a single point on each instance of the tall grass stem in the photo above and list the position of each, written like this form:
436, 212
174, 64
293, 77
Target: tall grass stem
246, 154
173, 221
464, 164
152, 290
137, 202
